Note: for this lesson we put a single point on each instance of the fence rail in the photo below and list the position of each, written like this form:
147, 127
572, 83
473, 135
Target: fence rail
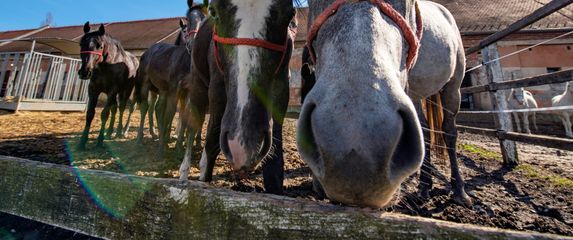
545, 141
551, 78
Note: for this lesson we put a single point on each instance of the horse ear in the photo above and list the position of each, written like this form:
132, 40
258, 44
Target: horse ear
190, 3
87, 27
101, 30
181, 24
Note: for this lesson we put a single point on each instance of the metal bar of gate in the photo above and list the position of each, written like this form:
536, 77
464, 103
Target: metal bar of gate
19, 84
37, 73
59, 80
69, 82
12, 77
5, 58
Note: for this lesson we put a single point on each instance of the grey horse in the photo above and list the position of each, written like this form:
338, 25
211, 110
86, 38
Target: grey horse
111, 70
359, 128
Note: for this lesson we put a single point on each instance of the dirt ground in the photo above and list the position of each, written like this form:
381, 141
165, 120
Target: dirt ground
536, 196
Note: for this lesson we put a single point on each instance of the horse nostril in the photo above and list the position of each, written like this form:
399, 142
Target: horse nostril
305, 135
409, 152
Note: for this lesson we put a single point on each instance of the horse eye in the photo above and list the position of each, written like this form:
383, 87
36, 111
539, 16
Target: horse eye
212, 12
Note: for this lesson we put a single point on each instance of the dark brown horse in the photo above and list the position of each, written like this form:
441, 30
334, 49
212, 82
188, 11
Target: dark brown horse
240, 70
163, 68
111, 70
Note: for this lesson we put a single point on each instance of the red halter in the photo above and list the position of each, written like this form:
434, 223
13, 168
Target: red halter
385, 8
98, 53
190, 33
248, 42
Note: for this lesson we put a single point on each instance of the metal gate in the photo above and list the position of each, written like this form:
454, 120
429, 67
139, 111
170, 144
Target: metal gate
35, 81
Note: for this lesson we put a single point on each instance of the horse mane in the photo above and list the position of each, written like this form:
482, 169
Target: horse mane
178, 41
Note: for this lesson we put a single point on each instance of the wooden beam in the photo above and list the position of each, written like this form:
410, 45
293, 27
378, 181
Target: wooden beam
502, 120
118, 206
476, 130
538, 14
545, 141
550, 78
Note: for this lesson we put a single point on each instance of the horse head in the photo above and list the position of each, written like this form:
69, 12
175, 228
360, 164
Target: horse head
92, 50
252, 49
195, 15
358, 130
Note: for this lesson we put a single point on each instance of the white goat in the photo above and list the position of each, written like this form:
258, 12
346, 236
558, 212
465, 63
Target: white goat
522, 99
565, 99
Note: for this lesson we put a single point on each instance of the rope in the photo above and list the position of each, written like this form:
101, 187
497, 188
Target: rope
517, 52
412, 38
530, 110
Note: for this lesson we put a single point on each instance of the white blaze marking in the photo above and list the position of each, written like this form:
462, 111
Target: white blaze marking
251, 16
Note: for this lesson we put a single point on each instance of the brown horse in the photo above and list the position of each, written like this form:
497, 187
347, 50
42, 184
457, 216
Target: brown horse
240, 70
163, 68
111, 70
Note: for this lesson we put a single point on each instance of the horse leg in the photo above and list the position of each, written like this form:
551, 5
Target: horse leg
198, 139
182, 123
168, 115
211, 150
426, 183
273, 169
159, 115
128, 121
123, 99
152, 103
113, 112
92, 102
104, 117
195, 120
517, 124
451, 104
143, 100
526, 123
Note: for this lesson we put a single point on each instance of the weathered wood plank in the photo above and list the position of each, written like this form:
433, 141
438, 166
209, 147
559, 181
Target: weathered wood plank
538, 14
119, 206
550, 78
545, 141
502, 120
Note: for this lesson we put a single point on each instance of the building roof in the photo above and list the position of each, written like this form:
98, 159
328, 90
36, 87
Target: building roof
472, 16
495, 15
133, 35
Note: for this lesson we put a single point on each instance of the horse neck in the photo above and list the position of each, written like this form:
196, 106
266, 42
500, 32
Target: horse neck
316, 7
115, 52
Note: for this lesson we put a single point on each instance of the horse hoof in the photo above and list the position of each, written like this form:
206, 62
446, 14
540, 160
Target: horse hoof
463, 199
99, 144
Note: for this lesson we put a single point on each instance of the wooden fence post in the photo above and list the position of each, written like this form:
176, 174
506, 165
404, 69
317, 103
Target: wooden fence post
502, 120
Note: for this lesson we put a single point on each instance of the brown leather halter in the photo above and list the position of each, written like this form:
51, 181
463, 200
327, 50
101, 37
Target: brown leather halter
387, 9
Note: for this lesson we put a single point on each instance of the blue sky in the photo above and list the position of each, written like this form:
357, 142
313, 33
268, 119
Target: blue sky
26, 14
